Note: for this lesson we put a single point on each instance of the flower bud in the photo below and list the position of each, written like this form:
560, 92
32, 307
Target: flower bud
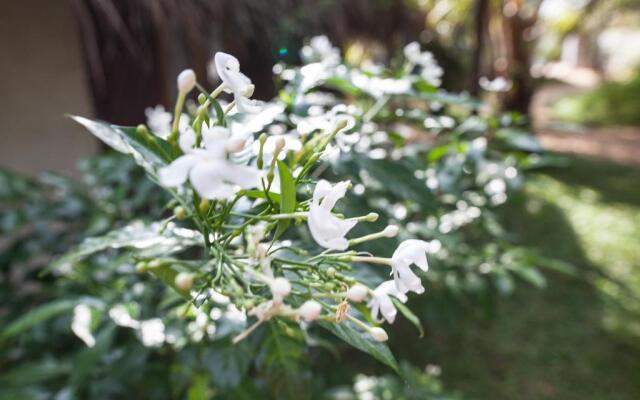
331, 272
204, 206
371, 217
378, 334
357, 293
310, 310
186, 81
280, 287
390, 231
184, 281
341, 124
180, 213
235, 145
202, 98
142, 266
280, 142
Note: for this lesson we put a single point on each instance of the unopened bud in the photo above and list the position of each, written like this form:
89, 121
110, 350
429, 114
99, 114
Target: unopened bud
142, 266
204, 206
331, 272
378, 334
184, 281
357, 293
280, 143
390, 231
310, 310
202, 98
280, 287
372, 217
186, 81
341, 124
180, 213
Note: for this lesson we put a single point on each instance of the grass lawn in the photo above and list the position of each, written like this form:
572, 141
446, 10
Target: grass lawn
580, 337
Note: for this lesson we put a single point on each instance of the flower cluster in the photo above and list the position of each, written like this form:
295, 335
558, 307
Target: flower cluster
242, 194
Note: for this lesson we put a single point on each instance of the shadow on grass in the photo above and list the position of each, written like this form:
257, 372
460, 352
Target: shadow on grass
542, 344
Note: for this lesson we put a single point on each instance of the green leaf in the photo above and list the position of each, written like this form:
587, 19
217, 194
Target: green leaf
35, 372
219, 112
260, 194
149, 240
282, 361
87, 359
149, 154
227, 363
287, 197
36, 316
362, 341
408, 314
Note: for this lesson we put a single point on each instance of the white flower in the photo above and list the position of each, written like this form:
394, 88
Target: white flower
357, 293
409, 252
159, 121
152, 332
328, 230
236, 82
186, 81
212, 175
321, 50
378, 334
430, 71
381, 302
81, 324
280, 288
500, 84
310, 310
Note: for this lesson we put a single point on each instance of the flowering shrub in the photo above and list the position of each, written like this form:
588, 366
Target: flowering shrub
284, 218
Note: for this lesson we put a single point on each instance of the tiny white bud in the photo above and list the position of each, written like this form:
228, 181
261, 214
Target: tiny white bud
357, 293
378, 334
390, 231
235, 145
280, 142
186, 81
341, 124
280, 287
184, 281
310, 310
372, 217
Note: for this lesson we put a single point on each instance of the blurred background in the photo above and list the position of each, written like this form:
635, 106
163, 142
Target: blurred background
571, 66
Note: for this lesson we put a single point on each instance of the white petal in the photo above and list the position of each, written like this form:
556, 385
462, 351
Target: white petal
176, 173
246, 105
336, 193
328, 230
187, 140
206, 180
241, 175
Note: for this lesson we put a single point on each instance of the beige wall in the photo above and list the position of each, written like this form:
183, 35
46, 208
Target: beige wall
41, 80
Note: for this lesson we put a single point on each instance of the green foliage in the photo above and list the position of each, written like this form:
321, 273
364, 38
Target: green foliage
613, 103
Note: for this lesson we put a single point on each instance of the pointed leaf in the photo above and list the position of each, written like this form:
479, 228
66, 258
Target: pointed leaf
408, 314
362, 341
287, 197
150, 240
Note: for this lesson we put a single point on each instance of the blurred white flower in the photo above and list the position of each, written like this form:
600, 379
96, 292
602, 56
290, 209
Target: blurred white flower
381, 304
328, 230
152, 332
320, 50
212, 175
236, 82
430, 71
81, 324
409, 252
499, 84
